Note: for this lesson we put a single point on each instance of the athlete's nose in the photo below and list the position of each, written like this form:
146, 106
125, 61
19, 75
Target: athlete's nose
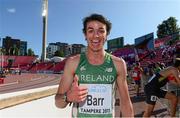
96, 33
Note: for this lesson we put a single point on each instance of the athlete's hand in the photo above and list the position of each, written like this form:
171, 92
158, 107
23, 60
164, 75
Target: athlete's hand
77, 93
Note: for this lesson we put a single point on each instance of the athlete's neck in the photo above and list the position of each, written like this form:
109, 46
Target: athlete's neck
95, 57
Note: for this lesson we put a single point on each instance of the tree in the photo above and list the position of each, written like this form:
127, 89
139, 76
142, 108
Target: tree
14, 51
168, 27
3, 51
30, 52
59, 53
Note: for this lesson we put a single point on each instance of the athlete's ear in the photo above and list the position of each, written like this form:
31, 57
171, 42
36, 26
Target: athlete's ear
105, 40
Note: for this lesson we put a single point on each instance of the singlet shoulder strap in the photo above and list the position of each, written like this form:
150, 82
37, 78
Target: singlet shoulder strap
82, 60
108, 59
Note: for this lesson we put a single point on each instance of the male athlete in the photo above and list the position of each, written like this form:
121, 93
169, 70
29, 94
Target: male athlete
89, 78
153, 89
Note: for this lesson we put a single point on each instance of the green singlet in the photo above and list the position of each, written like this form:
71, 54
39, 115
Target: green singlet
100, 81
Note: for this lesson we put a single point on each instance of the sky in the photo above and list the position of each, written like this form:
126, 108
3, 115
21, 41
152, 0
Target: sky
22, 19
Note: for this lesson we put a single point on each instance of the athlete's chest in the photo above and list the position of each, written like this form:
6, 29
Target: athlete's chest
104, 74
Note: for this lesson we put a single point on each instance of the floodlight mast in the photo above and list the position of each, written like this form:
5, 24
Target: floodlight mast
44, 37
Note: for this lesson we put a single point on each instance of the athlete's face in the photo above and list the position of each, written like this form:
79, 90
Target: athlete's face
96, 35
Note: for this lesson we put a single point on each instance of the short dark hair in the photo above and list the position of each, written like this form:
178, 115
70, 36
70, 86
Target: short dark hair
137, 64
97, 17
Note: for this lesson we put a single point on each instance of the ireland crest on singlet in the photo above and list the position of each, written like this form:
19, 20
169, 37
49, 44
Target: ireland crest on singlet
100, 81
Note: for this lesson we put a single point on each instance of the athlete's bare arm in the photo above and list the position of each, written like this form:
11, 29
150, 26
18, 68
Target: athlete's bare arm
74, 92
126, 104
176, 74
171, 71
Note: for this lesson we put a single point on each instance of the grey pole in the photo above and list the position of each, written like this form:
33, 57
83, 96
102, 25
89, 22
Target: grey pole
45, 16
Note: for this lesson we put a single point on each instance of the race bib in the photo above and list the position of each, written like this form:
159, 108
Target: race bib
99, 99
134, 74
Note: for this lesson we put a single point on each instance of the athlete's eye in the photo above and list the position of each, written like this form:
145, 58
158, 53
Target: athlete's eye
101, 31
90, 30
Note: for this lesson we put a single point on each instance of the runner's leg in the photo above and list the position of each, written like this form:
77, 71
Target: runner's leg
148, 110
173, 100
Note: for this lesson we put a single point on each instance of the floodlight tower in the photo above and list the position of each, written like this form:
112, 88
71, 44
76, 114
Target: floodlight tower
45, 16
1, 49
